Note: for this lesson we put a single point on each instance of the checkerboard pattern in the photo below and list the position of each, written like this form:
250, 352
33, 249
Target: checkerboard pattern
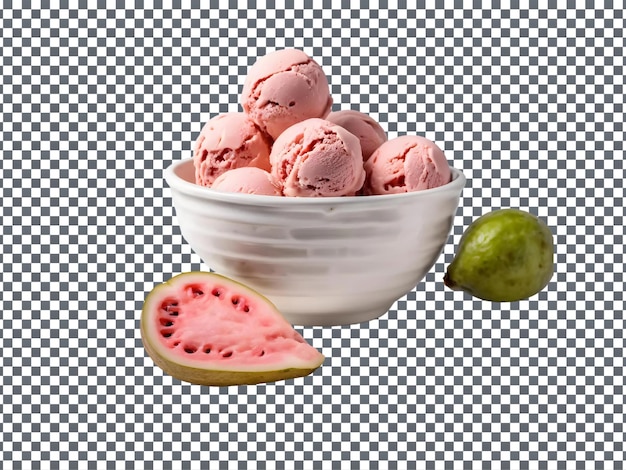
525, 97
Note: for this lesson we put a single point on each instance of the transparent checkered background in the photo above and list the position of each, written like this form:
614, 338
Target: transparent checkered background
525, 97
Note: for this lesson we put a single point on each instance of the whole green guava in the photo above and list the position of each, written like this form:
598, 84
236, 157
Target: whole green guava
503, 256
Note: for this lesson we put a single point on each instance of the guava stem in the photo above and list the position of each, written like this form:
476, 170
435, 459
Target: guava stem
450, 283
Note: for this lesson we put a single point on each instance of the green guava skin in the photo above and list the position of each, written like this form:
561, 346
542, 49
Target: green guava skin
503, 256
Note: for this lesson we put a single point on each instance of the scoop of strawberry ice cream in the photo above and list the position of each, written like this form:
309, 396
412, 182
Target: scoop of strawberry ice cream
404, 164
370, 133
227, 141
248, 180
317, 158
285, 87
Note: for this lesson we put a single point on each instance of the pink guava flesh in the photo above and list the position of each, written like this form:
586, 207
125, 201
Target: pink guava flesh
216, 324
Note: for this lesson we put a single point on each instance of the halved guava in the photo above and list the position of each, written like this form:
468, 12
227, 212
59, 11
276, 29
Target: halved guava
206, 329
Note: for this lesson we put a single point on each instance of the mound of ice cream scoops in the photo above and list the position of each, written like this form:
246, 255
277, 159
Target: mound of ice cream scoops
287, 142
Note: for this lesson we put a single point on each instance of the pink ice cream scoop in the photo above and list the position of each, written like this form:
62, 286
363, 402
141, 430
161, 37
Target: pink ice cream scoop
317, 158
283, 88
404, 164
228, 141
369, 132
248, 180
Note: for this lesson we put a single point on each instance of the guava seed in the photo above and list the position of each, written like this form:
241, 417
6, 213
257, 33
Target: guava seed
168, 304
195, 291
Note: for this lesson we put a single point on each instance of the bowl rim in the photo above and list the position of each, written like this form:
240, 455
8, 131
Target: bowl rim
178, 183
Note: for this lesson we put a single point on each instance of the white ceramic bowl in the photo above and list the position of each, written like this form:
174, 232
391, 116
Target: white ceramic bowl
321, 261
